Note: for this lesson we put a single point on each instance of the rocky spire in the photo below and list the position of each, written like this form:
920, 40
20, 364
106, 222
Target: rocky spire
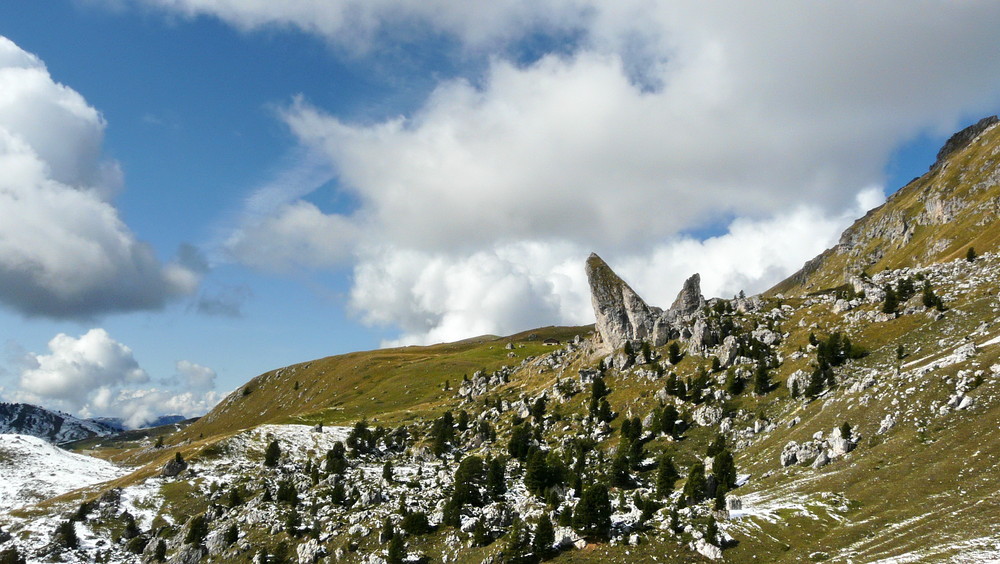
689, 300
621, 314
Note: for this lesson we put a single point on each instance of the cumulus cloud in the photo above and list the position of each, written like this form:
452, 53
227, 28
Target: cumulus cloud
64, 251
195, 375
435, 297
75, 367
646, 121
95, 375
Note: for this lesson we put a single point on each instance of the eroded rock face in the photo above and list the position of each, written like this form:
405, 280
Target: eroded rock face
689, 300
621, 314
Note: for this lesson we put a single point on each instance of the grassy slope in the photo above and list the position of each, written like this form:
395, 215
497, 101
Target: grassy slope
386, 385
969, 175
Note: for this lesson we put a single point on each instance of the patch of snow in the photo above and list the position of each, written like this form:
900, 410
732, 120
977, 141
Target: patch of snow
32, 470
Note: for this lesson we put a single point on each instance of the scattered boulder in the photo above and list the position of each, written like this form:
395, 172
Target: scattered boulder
707, 549
173, 467
888, 422
188, 554
707, 415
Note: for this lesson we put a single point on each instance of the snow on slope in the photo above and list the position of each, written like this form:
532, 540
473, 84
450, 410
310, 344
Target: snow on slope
53, 426
32, 470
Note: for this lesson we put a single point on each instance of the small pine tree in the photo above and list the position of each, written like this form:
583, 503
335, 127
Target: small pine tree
666, 476
544, 539
416, 523
396, 553
10, 555
971, 255
232, 534
712, 532
674, 353
496, 480
197, 530
65, 535
387, 474
592, 516
480, 537
724, 469
620, 476
159, 442
845, 430
235, 497
675, 520
696, 486
761, 380
160, 551
272, 454
517, 548
891, 303
292, 523
604, 412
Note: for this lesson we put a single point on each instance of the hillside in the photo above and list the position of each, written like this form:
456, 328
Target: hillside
53, 426
837, 422
934, 218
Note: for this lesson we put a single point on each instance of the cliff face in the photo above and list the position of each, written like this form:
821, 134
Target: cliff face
622, 315
934, 218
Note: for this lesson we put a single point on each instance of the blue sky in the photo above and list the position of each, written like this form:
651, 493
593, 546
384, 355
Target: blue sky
314, 177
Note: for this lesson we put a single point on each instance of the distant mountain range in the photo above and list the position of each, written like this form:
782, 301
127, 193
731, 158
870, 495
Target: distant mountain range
60, 428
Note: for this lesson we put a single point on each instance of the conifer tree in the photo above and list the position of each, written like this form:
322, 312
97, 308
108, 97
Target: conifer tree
336, 459
891, 303
592, 516
544, 539
396, 552
674, 353
480, 537
712, 531
761, 380
65, 534
724, 469
971, 255
496, 479
666, 476
387, 474
696, 485
160, 551
272, 454
197, 530
669, 422
604, 412
620, 477
232, 534
517, 548
520, 441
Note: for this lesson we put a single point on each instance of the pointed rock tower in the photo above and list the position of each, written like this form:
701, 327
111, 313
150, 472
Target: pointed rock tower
621, 314
624, 316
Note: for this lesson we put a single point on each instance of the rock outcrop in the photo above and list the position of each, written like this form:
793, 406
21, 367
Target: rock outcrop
623, 316
689, 299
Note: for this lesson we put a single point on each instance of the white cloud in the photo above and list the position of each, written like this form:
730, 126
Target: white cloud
95, 375
195, 375
657, 118
298, 234
64, 251
77, 367
140, 407
435, 297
